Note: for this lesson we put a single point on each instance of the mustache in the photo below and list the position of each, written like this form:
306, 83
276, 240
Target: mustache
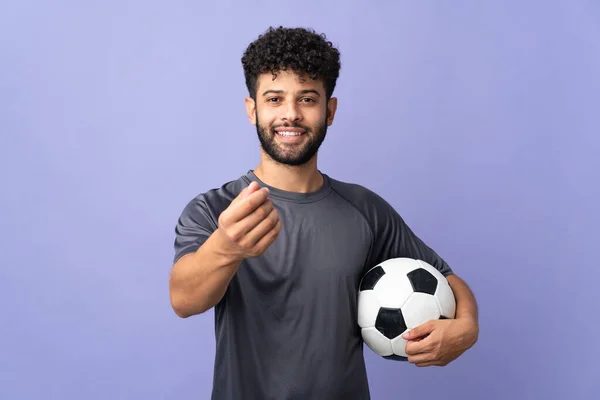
289, 125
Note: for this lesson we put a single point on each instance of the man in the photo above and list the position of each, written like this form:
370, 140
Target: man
279, 252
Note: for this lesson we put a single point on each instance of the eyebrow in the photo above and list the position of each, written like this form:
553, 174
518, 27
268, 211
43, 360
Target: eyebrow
306, 91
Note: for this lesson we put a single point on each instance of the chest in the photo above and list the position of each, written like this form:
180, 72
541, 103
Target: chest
318, 249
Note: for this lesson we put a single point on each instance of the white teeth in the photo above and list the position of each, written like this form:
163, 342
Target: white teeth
289, 133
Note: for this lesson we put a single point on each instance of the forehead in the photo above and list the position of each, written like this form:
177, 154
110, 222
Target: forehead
287, 81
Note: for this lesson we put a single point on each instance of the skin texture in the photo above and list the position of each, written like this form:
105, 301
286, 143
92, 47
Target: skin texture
290, 100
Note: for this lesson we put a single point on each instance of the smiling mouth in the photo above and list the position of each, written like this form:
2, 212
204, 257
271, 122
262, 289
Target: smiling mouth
289, 133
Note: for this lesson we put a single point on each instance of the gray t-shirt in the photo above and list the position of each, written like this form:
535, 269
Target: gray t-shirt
287, 325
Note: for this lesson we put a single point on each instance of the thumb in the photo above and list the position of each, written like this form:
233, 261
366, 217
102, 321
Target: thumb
419, 331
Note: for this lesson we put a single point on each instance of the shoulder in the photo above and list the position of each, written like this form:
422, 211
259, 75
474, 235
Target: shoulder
378, 213
361, 197
212, 202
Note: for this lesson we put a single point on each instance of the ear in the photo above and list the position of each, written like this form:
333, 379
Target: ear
331, 109
251, 109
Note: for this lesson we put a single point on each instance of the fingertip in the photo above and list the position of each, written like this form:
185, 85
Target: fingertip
251, 188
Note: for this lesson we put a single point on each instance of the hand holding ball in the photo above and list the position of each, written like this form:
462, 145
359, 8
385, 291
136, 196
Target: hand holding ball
396, 296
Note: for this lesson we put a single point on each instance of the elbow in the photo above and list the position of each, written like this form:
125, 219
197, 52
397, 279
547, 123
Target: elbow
183, 309
181, 312
181, 303
179, 308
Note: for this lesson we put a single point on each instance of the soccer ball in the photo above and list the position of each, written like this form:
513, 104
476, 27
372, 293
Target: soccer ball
396, 296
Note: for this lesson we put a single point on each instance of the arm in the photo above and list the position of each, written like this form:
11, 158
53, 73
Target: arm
467, 314
466, 305
440, 342
208, 255
434, 342
199, 280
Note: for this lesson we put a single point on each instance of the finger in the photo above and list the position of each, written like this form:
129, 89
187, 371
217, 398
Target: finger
270, 237
239, 197
262, 228
247, 205
419, 346
250, 222
420, 359
253, 187
414, 348
419, 331
425, 364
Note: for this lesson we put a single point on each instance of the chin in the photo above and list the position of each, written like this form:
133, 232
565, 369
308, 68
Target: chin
292, 160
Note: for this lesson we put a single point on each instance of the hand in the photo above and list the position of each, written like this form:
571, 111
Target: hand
440, 342
249, 225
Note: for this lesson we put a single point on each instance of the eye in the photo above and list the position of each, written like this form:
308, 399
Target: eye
272, 99
307, 100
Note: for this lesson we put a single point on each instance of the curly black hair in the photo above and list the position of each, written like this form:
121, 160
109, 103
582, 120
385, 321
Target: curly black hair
300, 50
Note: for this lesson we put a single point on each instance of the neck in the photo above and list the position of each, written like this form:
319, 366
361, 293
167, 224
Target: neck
300, 179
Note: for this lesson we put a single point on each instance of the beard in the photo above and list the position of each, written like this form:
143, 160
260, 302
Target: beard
291, 154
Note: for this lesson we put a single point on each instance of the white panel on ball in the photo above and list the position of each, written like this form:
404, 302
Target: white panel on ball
393, 289
400, 265
446, 300
368, 306
420, 308
399, 346
377, 342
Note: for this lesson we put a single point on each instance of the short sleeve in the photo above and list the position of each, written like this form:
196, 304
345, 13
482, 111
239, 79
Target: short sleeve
394, 238
193, 227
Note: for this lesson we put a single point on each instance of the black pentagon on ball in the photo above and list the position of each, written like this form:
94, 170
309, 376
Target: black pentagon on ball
371, 278
422, 281
390, 322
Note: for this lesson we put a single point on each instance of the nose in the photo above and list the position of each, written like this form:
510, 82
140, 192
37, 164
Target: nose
292, 112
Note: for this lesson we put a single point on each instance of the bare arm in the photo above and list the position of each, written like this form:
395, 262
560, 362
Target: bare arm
466, 305
199, 280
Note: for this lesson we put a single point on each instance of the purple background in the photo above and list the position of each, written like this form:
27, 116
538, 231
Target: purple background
477, 120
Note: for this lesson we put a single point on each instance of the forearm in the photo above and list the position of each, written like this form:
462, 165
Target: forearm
466, 305
199, 280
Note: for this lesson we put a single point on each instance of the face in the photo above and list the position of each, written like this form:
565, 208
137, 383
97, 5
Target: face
291, 115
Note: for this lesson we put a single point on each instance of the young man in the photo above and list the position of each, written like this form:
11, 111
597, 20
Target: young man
279, 252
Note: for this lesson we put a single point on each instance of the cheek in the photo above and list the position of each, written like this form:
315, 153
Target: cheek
317, 119
265, 118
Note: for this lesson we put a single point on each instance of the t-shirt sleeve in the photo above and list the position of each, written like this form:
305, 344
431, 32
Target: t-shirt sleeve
394, 238
193, 227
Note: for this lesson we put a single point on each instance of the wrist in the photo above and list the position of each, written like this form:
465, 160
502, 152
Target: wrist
221, 248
